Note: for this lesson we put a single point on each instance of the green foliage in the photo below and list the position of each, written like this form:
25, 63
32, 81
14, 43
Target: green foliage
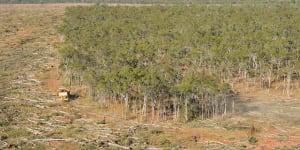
156, 131
186, 52
4, 122
27, 145
252, 140
18, 133
88, 146
57, 114
101, 122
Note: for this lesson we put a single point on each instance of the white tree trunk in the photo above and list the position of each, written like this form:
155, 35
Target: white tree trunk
126, 104
186, 110
144, 110
174, 109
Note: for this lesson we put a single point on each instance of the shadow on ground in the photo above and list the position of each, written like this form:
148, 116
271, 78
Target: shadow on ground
73, 97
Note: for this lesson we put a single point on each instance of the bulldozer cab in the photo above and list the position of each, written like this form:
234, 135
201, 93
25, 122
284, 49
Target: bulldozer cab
63, 94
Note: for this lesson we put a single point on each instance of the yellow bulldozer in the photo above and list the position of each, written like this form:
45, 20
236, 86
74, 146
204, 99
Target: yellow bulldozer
63, 94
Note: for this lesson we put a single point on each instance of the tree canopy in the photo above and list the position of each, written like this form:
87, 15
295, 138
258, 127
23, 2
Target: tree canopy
180, 57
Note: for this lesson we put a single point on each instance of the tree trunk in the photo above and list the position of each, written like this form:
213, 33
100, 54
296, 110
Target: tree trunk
70, 80
269, 80
165, 114
186, 109
178, 107
102, 99
233, 99
174, 108
212, 112
153, 110
126, 104
288, 88
80, 81
159, 111
262, 81
135, 110
144, 110
178, 112
225, 106
202, 111
246, 80
217, 107
113, 97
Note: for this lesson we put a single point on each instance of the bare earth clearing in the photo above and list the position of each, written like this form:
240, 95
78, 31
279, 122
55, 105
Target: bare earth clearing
31, 118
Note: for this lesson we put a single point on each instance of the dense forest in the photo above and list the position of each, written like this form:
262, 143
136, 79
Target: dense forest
148, 1
180, 61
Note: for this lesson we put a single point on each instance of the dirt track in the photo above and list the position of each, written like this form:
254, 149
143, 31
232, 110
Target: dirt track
277, 119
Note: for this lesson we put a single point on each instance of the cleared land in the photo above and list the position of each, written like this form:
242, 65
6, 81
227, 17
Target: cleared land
31, 118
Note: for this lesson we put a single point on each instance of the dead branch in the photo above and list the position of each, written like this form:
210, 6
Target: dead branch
51, 125
40, 106
10, 98
134, 138
63, 112
118, 146
153, 148
35, 80
46, 100
220, 143
280, 129
35, 132
49, 140
31, 100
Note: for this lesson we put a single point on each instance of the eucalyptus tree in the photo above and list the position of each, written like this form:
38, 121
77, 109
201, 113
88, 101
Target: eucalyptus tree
179, 60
